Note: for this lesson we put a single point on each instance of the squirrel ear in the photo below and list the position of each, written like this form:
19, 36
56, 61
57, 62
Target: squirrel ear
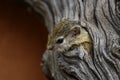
75, 30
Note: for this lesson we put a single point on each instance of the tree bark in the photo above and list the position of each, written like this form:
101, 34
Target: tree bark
102, 20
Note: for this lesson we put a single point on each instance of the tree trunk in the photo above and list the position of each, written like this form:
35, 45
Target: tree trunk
102, 21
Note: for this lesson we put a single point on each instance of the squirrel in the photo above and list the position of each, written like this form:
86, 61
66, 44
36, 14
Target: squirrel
68, 35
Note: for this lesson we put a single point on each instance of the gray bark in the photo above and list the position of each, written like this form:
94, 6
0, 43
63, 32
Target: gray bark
102, 20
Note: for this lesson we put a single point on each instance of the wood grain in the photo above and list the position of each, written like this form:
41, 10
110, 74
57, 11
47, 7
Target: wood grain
101, 19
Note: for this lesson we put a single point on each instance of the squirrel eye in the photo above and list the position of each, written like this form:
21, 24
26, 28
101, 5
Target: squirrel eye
59, 41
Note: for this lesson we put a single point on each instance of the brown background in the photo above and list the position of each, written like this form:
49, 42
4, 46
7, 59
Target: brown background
22, 42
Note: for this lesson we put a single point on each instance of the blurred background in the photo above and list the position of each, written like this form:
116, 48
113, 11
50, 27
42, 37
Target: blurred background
23, 39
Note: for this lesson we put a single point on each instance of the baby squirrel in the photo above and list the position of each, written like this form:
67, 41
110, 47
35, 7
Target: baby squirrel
68, 35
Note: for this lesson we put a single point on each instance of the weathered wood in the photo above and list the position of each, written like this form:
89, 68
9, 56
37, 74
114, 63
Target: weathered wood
101, 18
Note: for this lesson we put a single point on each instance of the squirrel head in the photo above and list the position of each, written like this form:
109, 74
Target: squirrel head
66, 36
